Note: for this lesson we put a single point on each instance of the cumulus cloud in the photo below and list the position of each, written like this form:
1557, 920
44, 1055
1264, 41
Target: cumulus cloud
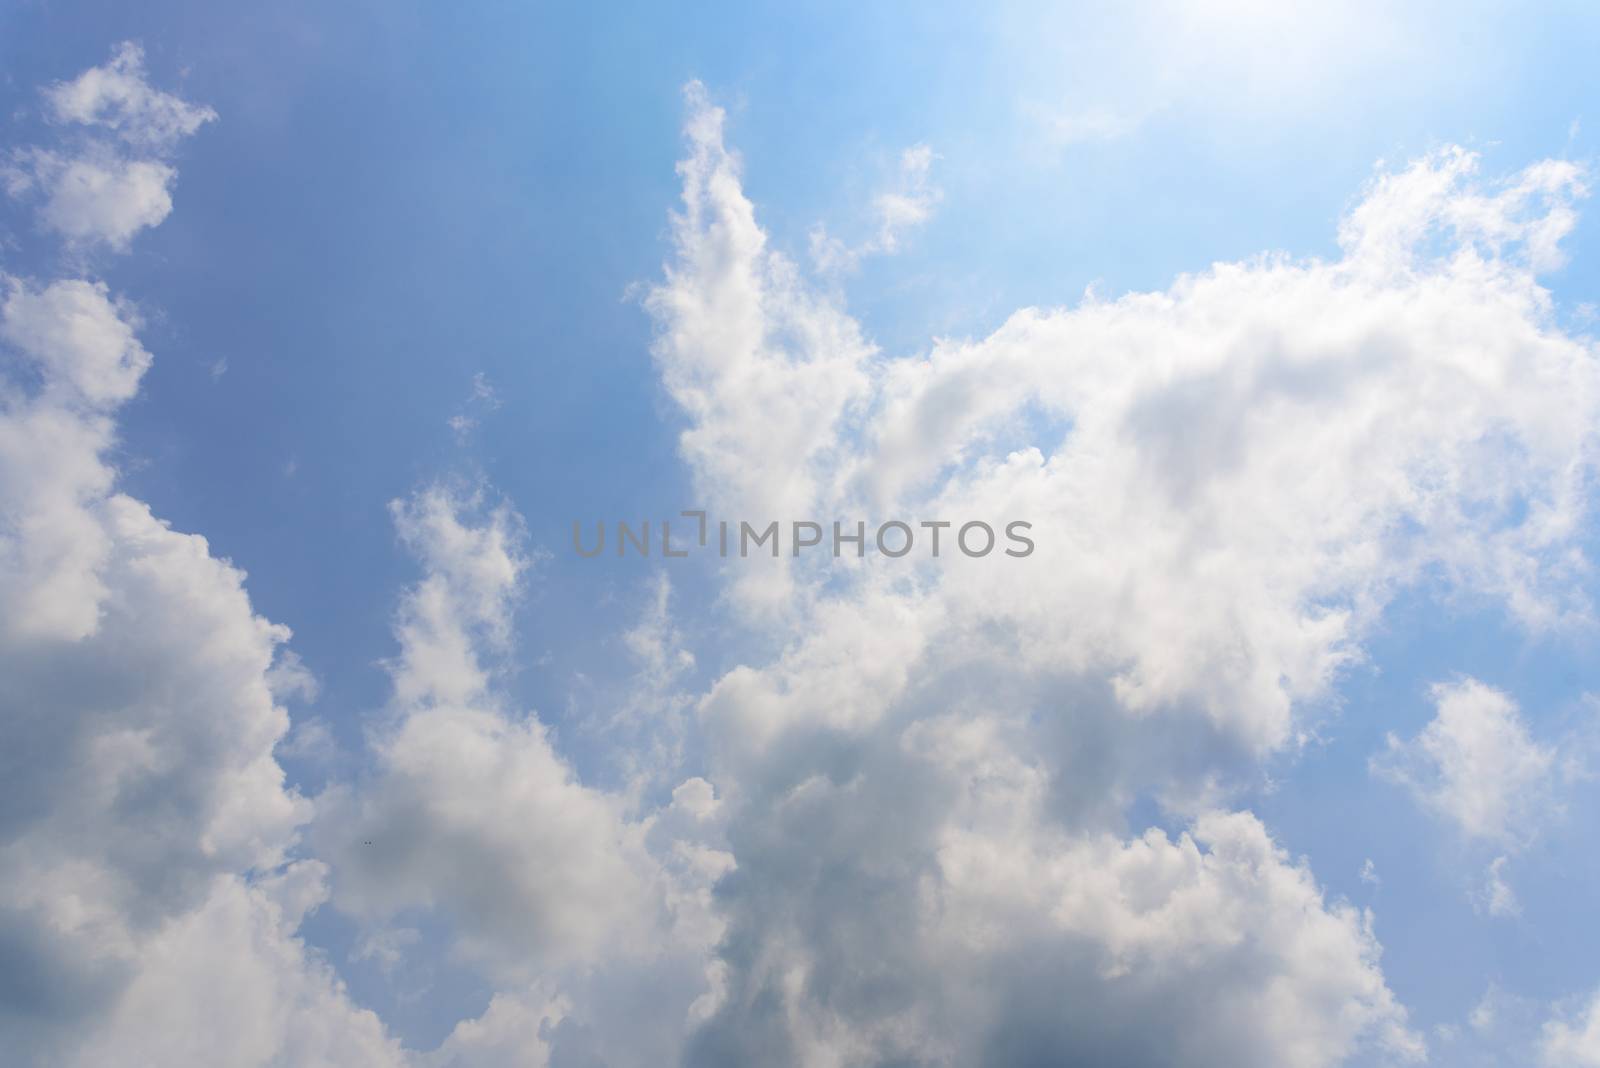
1476, 766
472, 810
98, 196
155, 872
115, 179
1228, 480
117, 97
82, 339
150, 897
764, 368
904, 838
938, 915
594, 917
513, 1032
75, 359
229, 984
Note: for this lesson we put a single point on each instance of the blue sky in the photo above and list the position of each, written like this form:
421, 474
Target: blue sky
406, 215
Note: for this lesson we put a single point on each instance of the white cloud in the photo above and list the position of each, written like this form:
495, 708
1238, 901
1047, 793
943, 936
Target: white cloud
903, 208
1572, 1039
75, 347
108, 188
1476, 766
591, 911
1228, 482
228, 984
765, 369
311, 740
1232, 477
911, 204
148, 824
907, 841
290, 679
386, 946
642, 719
920, 904
513, 1032
148, 894
1498, 898
475, 815
472, 813
82, 340
117, 97
1506, 1028
98, 196
483, 398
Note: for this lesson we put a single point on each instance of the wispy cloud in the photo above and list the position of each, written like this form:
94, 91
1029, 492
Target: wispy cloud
905, 207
